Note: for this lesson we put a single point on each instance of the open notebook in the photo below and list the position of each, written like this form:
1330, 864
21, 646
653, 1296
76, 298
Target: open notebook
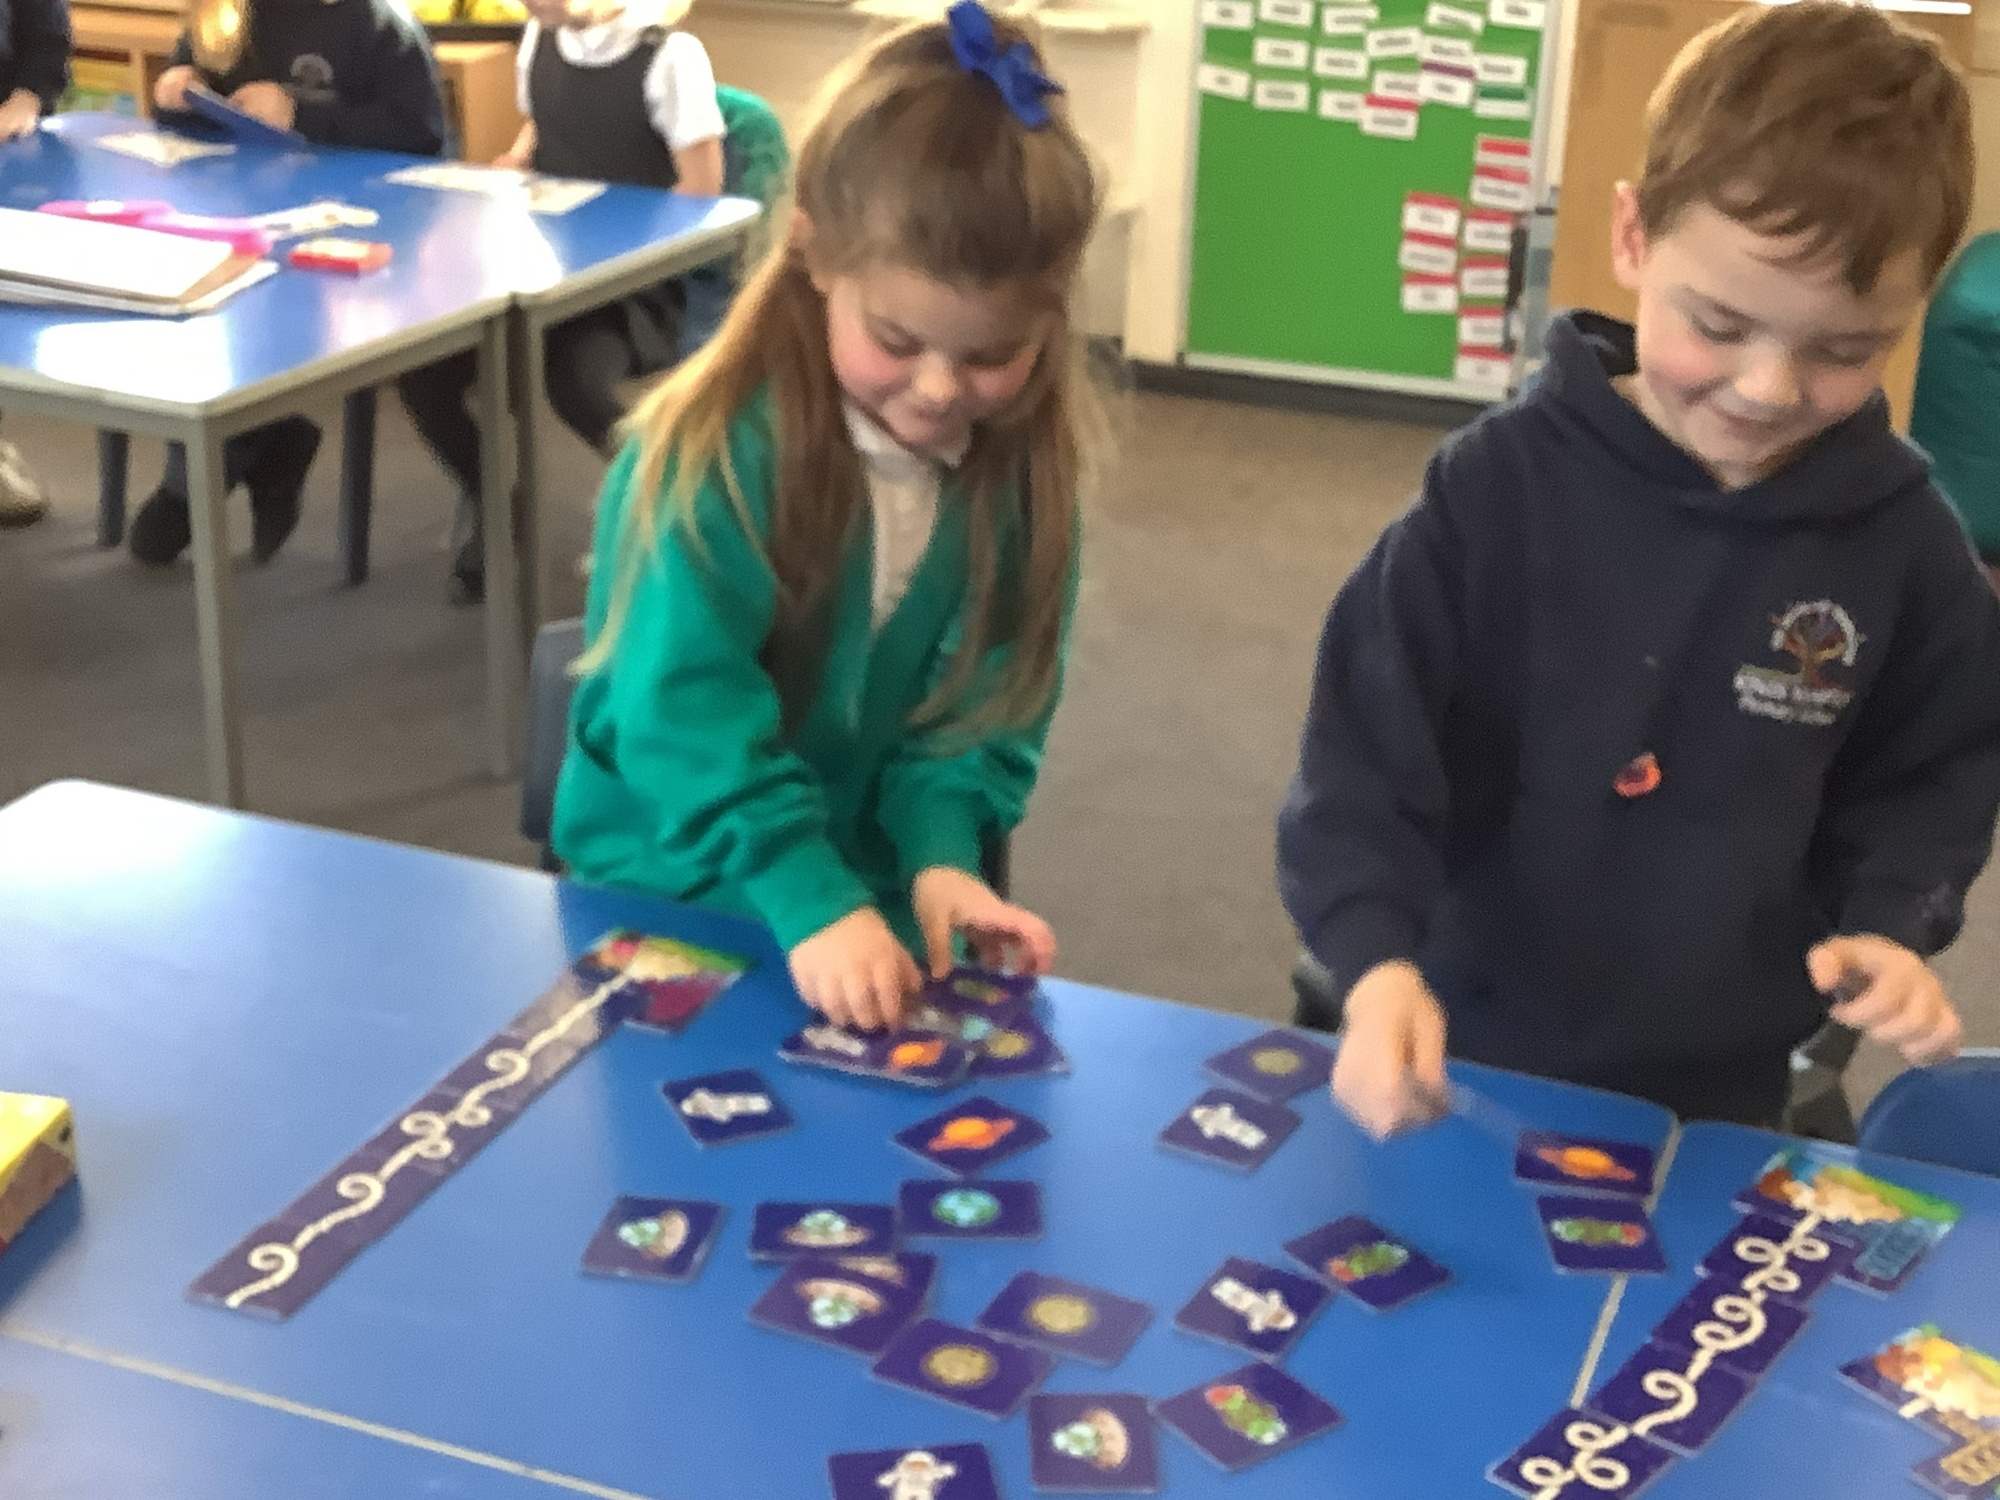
49, 258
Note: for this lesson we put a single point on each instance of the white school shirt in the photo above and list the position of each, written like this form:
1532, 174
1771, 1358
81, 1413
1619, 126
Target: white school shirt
680, 85
903, 490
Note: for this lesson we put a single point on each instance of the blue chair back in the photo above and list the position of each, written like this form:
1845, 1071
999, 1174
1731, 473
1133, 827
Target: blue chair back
1948, 1115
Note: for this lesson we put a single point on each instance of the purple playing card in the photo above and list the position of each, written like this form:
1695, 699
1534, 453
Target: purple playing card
963, 1366
854, 1304
782, 1231
970, 1210
1020, 1049
1275, 1066
922, 1059
973, 1136
1231, 1128
1254, 1307
654, 1239
1361, 1256
987, 992
950, 1471
1575, 1443
1583, 1164
1600, 1234
1783, 1260
718, 1108
1903, 1376
1066, 1317
1654, 1383
1746, 1332
1247, 1416
1093, 1445
1965, 1471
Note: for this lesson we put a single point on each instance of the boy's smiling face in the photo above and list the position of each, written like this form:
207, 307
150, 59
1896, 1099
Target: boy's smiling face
1746, 350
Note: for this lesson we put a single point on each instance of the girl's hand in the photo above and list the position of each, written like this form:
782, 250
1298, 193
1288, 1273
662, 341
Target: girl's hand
1390, 1074
856, 971
268, 102
1003, 936
170, 91
20, 114
1899, 1002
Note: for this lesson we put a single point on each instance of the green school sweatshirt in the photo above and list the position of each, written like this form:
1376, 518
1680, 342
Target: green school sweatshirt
680, 779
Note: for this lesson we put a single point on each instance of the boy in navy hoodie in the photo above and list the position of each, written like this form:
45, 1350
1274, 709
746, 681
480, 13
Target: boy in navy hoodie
340, 73
1669, 715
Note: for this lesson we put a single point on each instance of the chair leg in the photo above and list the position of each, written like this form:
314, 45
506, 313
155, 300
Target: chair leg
114, 452
357, 481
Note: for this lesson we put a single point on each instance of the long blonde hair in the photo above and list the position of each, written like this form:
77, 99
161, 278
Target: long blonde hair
914, 161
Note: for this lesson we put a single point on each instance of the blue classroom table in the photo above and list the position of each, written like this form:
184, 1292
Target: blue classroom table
461, 260
234, 1004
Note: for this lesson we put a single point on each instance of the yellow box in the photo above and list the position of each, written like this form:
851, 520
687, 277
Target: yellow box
37, 1156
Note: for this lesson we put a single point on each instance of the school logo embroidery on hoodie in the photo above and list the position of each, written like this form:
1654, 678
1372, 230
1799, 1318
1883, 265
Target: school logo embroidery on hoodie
312, 78
1819, 637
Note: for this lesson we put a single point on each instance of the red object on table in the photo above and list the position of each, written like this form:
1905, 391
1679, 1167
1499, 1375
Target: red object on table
352, 256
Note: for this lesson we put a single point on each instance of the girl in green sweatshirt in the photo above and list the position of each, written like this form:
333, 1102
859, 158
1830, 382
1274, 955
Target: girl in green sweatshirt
834, 568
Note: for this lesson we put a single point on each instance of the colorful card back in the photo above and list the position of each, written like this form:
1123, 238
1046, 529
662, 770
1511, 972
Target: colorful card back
921, 1059
720, 1108
1584, 1164
666, 983
1949, 1390
1247, 1416
857, 1304
785, 1231
972, 1136
1894, 1226
1552, 1462
1231, 1128
1093, 1445
963, 1366
1066, 1317
1747, 1333
950, 1471
654, 1239
970, 1210
1358, 1255
1667, 1395
1254, 1307
1276, 1066
1789, 1261
1600, 1234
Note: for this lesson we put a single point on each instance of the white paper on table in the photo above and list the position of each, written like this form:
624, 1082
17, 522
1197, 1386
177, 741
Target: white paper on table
1490, 232
1340, 104
1428, 256
1340, 62
1395, 41
1445, 85
1486, 330
1274, 93
1488, 367
1429, 294
162, 150
1388, 120
1441, 15
116, 259
1401, 86
552, 196
1499, 107
1485, 280
1286, 12
462, 176
1224, 83
1228, 15
1280, 52
1348, 20
1527, 15
1502, 69
1430, 213
314, 218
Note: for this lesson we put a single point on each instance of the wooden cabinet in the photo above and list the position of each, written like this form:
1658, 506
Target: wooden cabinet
1623, 48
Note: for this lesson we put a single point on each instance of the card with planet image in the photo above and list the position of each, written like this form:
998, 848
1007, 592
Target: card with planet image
970, 1210
1382, 1270
1247, 1416
1275, 1066
1066, 1317
1583, 1164
783, 1231
653, 1239
858, 1304
1093, 1445
963, 1366
1600, 1234
972, 1136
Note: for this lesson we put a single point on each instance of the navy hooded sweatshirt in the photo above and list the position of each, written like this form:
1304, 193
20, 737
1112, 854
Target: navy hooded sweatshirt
1812, 663
34, 49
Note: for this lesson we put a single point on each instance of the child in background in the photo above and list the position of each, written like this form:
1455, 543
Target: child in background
834, 571
1671, 712
623, 98
340, 73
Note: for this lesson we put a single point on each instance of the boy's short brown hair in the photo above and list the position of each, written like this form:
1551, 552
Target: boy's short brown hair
1819, 118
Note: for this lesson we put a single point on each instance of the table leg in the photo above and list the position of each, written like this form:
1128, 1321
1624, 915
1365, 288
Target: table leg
215, 624
357, 480
526, 369
114, 452
503, 629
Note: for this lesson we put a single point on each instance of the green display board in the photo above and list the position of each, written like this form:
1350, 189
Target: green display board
1359, 173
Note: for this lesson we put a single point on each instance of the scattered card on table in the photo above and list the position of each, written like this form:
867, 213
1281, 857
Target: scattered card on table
1583, 1164
1364, 1258
1620, 1468
1234, 1129
1894, 1225
1093, 1445
666, 982
558, 195
1600, 1234
970, 1210
783, 1231
997, 996
1275, 1066
1254, 1307
718, 1108
1247, 1416
858, 1304
1784, 1260
1728, 1316
973, 1136
162, 150
1022, 1048
964, 1366
1717, 1391
949, 1471
1066, 1317
922, 1059
1943, 1386
654, 1239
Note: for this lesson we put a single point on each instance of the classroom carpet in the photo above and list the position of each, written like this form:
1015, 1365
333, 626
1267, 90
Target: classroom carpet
1214, 545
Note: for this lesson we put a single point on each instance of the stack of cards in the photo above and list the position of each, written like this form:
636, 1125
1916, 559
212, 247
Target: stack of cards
786, 1231
950, 1471
654, 1239
1359, 1256
1247, 1416
1893, 1227
1234, 1129
1066, 1317
923, 1059
1254, 1307
720, 1108
1001, 998
1276, 1066
969, 1139
667, 983
970, 1211
1600, 1222
963, 1366
1093, 1445
852, 1302
1950, 1391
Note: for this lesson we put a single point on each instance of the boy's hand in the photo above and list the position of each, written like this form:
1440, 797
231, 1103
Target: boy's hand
1902, 1002
1390, 1073
268, 102
19, 114
856, 971
1003, 936
170, 90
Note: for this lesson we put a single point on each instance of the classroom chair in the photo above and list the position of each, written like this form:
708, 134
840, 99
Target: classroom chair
550, 686
1948, 1115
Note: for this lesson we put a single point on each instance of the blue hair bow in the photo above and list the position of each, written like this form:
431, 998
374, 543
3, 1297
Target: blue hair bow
1022, 85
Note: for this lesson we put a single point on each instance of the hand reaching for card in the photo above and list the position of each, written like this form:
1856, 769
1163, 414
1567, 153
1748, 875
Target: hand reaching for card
856, 971
19, 114
1896, 998
1390, 1073
268, 102
1002, 935
170, 90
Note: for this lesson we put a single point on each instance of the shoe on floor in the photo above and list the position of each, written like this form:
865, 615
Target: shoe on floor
276, 489
162, 529
23, 501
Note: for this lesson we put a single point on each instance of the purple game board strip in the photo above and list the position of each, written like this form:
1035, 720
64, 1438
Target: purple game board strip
283, 1263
